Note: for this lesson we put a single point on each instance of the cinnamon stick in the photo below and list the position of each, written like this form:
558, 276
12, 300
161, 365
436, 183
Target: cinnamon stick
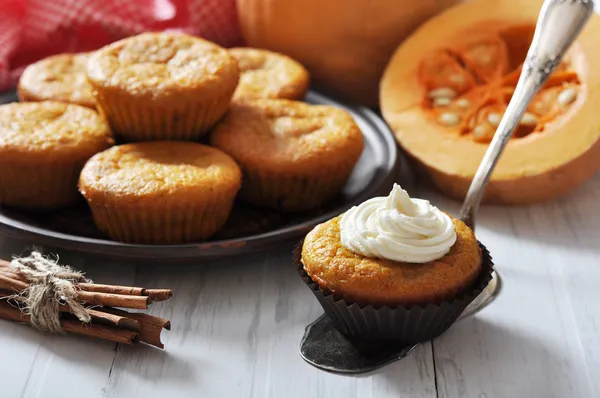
116, 320
153, 294
114, 300
99, 288
8, 283
158, 294
151, 326
104, 299
12, 273
97, 315
103, 332
109, 333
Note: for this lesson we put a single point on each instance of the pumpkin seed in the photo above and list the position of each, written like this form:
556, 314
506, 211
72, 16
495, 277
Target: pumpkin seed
482, 54
566, 96
494, 119
445, 92
529, 119
442, 101
449, 119
463, 103
480, 131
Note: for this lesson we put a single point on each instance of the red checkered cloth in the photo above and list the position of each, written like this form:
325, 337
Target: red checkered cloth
33, 29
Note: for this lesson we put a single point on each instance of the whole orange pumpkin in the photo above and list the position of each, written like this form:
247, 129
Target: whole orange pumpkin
345, 44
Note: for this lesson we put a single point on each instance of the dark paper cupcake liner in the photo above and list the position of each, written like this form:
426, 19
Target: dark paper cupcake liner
406, 325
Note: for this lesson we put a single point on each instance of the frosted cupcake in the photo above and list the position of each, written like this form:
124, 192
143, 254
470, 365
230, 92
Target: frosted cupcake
394, 268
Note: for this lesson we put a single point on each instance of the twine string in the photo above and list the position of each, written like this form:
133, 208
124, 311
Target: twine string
50, 285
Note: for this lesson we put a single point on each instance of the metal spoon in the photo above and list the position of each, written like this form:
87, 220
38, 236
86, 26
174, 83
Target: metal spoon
559, 23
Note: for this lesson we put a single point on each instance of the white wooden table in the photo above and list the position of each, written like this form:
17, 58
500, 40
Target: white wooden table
237, 324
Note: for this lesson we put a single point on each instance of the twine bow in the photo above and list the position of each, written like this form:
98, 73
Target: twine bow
50, 285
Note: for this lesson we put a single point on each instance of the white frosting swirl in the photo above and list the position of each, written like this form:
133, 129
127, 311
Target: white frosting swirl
398, 228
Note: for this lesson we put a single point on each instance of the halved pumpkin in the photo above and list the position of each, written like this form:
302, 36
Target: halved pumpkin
445, 88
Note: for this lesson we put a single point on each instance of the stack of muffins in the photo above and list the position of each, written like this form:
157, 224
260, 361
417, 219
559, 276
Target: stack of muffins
159, 95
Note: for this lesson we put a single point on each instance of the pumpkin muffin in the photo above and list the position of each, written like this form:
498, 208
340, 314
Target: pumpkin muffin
160, 192
59, 78
162, 86
294, 156
43, 147
266, 74
376, 281
399, 266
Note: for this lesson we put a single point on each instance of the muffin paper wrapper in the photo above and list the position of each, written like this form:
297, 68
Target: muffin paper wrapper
40, 186
137, 120
407, 325
289, 192
160, 223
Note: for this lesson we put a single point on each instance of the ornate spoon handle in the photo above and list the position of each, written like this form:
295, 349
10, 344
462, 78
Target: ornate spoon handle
559, 24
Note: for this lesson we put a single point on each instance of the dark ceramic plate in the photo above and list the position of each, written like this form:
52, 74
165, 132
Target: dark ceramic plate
249, 228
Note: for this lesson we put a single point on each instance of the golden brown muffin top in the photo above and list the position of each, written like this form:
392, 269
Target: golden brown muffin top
163, 64
285, 135
51, 129
159, 170
383, 282
59, 77
265, 74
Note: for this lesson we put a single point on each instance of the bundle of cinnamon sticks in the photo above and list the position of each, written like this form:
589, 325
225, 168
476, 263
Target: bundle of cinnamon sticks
107, 322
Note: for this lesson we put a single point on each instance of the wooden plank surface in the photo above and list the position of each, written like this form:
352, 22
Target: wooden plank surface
237, 324
540, 337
